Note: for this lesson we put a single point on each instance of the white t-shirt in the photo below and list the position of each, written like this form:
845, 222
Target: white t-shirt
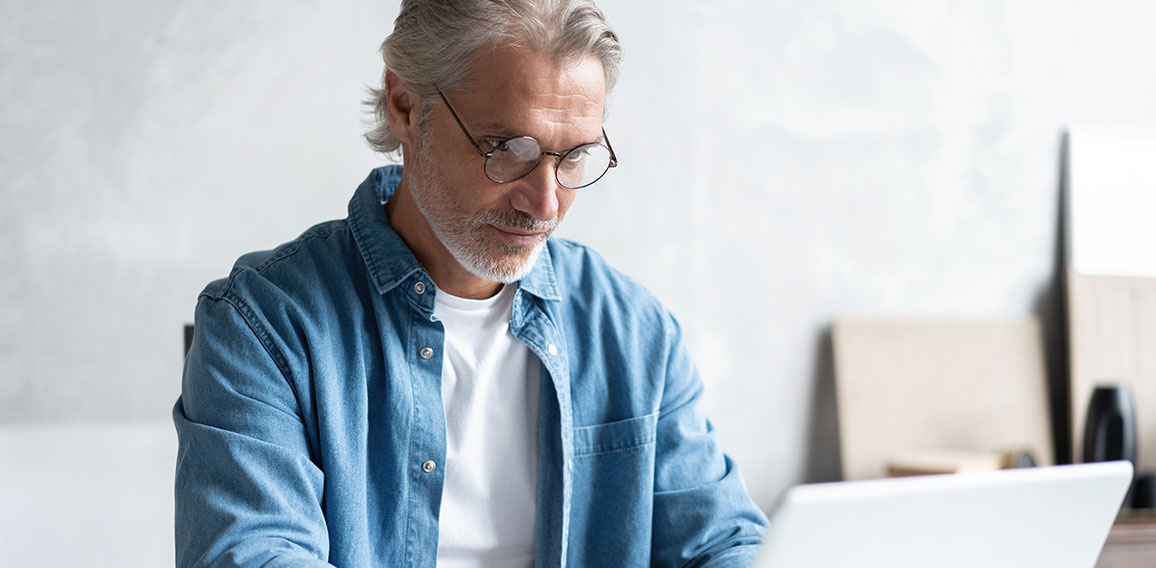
490, 392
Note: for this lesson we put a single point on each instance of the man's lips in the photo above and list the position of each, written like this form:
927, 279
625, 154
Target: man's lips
518, 237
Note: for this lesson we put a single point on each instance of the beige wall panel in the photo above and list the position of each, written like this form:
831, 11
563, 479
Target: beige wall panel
912, 385
1112, 338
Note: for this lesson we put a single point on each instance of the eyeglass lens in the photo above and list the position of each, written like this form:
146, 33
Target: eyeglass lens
516, 157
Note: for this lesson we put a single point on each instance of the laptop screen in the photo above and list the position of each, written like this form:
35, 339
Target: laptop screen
1057, 517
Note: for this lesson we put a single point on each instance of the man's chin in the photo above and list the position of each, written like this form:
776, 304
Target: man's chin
508, 264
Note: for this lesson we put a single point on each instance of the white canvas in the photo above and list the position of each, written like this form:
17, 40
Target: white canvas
1111, 201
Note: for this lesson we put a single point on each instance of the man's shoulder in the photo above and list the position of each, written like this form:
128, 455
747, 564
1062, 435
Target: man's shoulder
585, 275
323, 254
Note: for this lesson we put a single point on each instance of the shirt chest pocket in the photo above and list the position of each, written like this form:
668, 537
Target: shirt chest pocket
633, 434
613, 480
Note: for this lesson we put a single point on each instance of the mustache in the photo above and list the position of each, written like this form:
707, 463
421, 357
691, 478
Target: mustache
516, 219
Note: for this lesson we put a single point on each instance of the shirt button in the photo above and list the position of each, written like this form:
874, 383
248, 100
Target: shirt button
426, 352
429, 466
553, 349
419, 287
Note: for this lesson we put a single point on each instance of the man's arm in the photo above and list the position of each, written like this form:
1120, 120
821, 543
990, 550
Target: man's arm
247, 492
703, 515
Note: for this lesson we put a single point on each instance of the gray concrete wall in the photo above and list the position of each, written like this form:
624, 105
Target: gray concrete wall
782, 163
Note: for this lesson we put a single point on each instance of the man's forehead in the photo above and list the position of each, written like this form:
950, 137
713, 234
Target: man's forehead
521, 88
538, 106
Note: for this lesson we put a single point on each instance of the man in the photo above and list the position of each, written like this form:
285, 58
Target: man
434, 379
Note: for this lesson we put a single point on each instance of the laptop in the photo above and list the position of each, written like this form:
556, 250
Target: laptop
1058, 517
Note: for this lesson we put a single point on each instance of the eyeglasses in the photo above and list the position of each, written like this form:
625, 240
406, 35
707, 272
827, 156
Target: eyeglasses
513, 159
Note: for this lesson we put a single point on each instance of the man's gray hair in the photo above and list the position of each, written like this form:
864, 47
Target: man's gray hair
434, 44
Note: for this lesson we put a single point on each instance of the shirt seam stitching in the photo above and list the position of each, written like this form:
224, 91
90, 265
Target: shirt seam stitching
632, 444
249, 316
294, 247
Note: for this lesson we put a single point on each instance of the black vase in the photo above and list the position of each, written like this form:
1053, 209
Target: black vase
1110, 430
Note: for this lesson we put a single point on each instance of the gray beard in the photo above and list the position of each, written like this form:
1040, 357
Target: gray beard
461, 236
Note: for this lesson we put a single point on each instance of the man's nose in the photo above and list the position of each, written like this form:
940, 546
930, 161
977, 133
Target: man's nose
537, 193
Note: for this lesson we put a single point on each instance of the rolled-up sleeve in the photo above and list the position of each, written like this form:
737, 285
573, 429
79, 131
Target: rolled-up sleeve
247, 491
703, 515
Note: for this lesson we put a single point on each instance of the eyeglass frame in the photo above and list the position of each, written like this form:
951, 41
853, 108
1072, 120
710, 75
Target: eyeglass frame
557, 155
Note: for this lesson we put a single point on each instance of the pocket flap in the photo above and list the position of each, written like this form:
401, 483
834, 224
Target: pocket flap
615, 436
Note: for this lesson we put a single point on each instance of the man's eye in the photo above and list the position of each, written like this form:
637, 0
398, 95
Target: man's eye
578, 155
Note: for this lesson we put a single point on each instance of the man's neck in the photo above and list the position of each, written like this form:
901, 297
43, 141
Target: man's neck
447, 273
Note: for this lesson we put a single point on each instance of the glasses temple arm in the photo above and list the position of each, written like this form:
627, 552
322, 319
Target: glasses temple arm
467, 132
613, 158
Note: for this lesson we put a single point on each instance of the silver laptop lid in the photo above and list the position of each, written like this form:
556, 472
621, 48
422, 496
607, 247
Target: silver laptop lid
1057, 517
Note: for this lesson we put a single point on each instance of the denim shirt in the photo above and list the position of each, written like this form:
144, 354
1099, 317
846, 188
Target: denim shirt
312, 432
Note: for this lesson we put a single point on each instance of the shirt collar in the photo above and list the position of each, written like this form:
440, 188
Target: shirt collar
388, 259
540, 281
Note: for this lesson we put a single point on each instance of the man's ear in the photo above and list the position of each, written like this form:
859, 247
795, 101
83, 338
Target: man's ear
404, 108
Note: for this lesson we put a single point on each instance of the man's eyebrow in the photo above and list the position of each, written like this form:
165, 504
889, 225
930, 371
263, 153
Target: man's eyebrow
496, 130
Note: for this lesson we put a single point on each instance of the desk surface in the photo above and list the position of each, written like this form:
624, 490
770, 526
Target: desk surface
87, 494
1132, 542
